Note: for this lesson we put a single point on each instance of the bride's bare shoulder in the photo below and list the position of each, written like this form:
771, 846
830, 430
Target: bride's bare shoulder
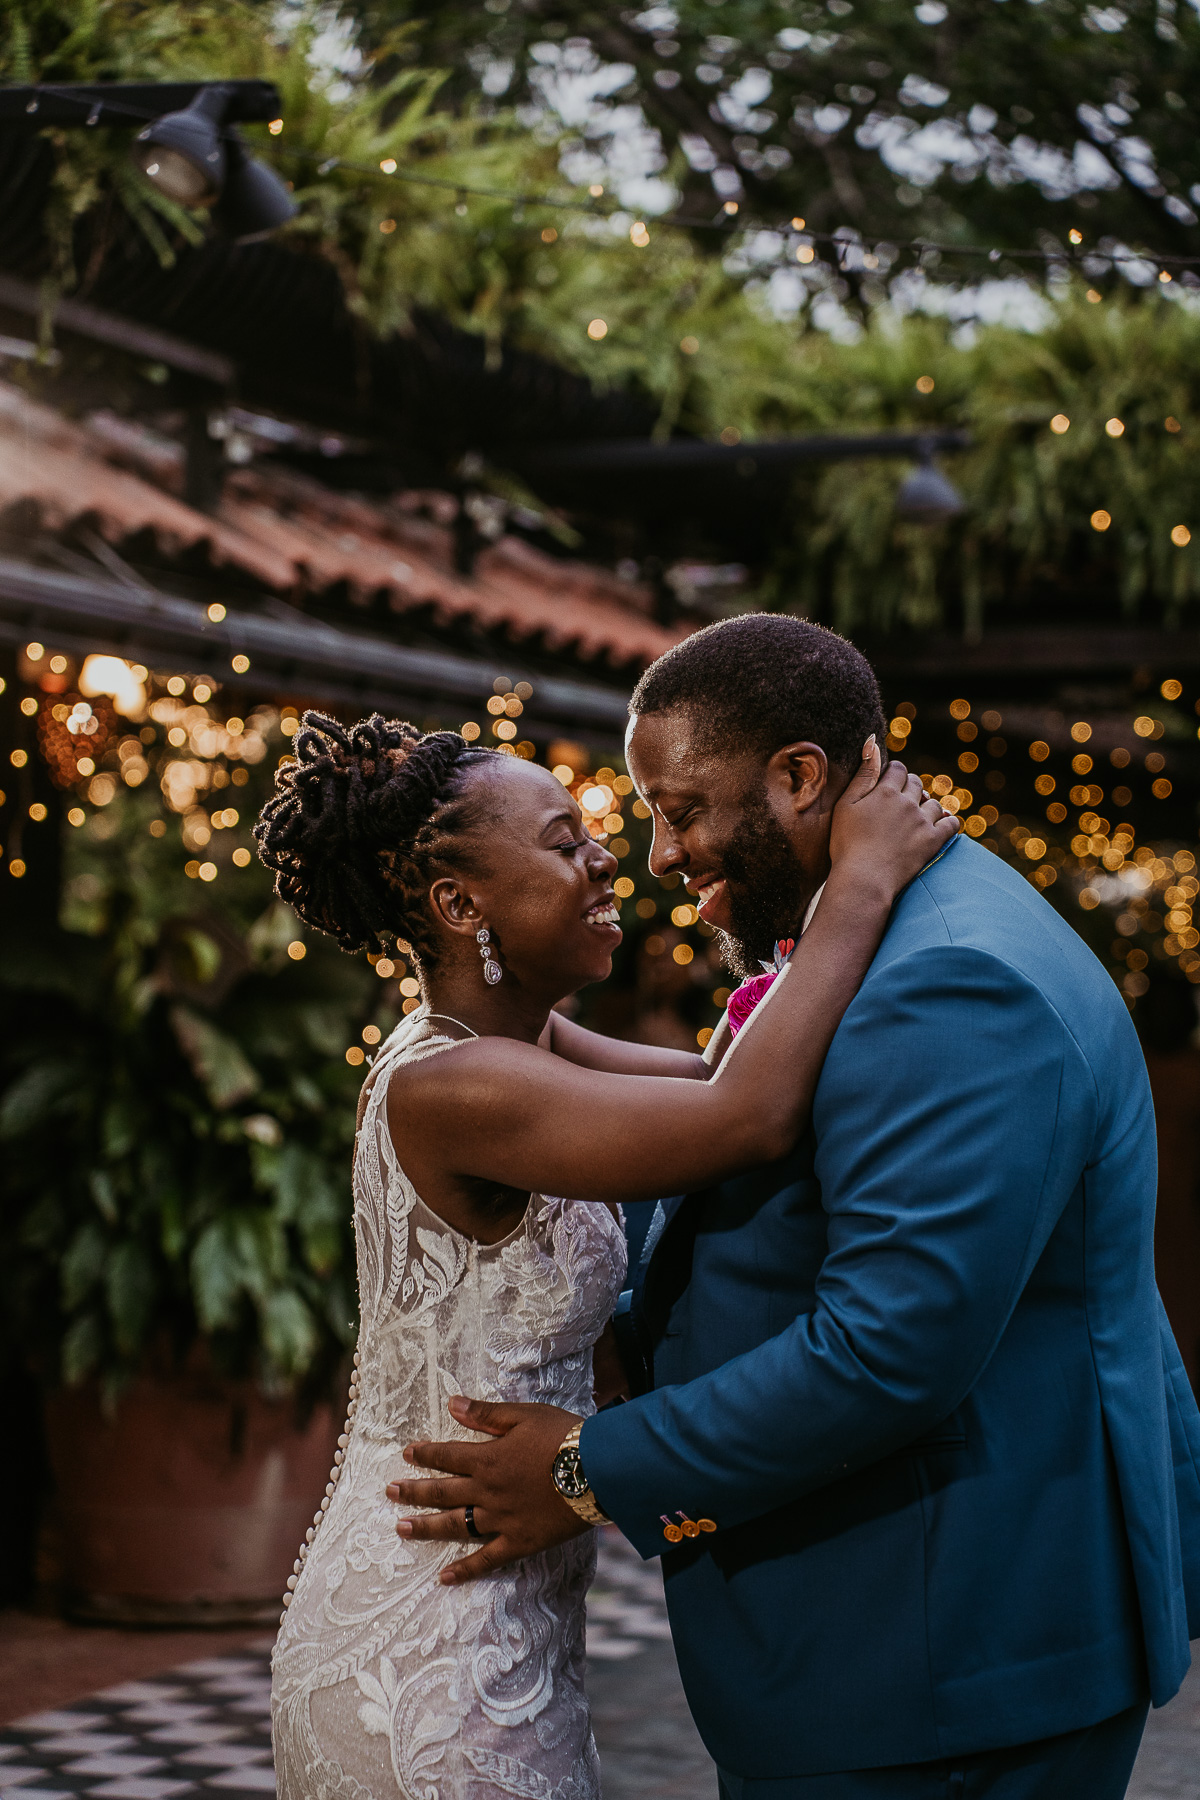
456, 1071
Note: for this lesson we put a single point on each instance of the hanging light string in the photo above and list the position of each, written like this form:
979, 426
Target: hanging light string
725, 222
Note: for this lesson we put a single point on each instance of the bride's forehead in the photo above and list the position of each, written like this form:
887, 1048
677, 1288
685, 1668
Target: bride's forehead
522, 790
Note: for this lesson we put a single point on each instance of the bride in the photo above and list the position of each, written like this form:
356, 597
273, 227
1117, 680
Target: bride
390, 1680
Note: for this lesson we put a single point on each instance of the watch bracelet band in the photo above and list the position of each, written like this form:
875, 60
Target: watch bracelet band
585, 1505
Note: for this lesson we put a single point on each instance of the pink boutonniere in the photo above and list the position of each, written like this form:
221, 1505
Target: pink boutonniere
744, 999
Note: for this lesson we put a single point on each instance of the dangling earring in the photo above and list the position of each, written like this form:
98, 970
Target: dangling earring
492, 972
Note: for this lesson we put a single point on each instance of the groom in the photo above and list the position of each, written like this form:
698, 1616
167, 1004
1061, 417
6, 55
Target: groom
915, 1379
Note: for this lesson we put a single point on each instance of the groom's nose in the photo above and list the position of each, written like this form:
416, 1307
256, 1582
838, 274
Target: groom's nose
666, 854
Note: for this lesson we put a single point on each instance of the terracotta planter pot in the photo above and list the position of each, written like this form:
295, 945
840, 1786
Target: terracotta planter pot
188, 1505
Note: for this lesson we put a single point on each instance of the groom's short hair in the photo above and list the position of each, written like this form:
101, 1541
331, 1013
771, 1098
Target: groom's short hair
764, 680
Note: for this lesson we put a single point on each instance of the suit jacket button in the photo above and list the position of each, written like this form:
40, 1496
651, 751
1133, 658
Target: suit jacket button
707, 1524
672, 1533
690, 1528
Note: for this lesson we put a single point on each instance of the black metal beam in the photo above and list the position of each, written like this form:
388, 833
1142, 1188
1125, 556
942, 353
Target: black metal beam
300, 656
129, 102
631, 456
121, 334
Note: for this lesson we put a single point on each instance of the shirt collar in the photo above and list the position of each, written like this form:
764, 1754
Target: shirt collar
809, 910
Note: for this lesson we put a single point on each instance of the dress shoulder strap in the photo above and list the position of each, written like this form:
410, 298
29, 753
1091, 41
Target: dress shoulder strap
416, 1036
450, 1020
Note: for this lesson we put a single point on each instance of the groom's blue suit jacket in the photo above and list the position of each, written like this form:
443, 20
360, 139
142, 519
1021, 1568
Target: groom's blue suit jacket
919, 1375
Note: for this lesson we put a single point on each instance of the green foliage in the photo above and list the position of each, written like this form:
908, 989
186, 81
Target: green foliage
177, 1112
396, 243
427, 254
825, 110
1030, 491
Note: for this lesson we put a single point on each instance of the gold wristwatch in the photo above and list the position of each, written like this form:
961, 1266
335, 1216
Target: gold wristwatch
566, 1471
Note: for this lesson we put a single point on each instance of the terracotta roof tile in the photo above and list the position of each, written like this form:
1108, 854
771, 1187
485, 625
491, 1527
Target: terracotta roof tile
295, 536
48, 464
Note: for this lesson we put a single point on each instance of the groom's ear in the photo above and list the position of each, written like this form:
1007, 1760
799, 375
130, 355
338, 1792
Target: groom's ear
799, 773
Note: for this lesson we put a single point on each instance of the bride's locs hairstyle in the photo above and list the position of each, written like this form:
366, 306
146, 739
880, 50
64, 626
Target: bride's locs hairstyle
765, 680
362, 822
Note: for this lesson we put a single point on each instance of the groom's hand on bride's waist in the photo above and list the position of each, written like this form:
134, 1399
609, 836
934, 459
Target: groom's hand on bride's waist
503, 1487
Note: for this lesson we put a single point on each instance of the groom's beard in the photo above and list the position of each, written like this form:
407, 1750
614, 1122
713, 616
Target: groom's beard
765, 889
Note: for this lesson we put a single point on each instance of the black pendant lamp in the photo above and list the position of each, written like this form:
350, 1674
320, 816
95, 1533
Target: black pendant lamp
925, 496
183, 153
193, 158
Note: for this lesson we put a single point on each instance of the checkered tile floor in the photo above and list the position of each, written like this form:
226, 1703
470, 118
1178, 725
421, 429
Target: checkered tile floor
205, 1729
202, 1729
626, 1611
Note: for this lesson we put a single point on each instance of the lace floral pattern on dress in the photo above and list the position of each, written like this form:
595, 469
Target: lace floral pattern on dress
386, 1684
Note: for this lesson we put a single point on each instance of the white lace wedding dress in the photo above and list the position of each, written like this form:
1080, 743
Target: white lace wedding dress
386, 1684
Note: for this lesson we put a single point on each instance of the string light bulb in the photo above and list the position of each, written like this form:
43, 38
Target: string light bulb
921, 247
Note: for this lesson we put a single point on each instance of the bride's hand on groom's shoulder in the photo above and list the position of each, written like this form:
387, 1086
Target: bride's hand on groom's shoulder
506, 1483
886, 825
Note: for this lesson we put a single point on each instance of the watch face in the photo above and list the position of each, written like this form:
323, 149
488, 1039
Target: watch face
568, 1474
